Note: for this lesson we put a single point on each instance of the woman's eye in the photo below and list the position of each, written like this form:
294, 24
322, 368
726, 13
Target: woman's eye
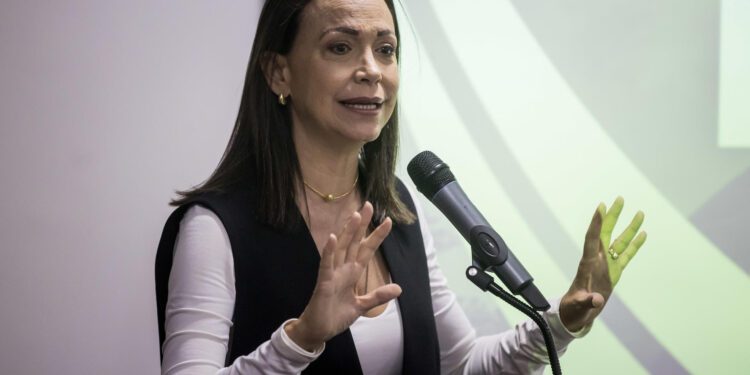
387, 50
339, 48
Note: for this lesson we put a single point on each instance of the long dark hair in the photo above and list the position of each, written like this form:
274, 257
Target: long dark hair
261, 146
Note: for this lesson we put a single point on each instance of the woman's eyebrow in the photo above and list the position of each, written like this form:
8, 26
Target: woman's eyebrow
350, 31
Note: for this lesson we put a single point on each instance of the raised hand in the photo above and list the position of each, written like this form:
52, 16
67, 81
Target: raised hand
334, 305
601, 266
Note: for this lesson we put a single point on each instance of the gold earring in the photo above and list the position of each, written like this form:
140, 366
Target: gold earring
282, 100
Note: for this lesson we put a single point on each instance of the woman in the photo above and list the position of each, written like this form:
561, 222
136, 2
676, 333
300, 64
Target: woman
291, 256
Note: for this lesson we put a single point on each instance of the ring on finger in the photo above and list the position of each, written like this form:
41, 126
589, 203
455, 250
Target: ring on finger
612, 253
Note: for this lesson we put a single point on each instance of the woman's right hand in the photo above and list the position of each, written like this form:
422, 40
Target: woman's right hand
334, 304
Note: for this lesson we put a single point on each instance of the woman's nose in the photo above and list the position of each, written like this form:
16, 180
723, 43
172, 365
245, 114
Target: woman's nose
369, 70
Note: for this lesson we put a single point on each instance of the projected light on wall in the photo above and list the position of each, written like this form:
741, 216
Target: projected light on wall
734, 88
544, 110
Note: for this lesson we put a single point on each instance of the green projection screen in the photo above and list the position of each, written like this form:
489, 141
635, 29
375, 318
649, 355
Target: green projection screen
544, 109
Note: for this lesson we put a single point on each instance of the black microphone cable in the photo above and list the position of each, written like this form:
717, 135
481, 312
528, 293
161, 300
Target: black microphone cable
485, 282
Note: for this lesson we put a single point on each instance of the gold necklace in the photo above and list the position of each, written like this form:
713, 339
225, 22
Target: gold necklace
330, 197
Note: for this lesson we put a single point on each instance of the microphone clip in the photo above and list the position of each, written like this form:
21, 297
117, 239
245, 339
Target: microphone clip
489, 252
487, 247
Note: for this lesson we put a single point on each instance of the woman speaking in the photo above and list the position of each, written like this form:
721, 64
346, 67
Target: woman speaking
304, 253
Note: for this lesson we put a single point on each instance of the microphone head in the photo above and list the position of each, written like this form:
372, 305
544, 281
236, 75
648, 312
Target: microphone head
429, 173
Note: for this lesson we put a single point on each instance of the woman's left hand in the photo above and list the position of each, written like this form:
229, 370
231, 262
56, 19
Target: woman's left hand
601, 266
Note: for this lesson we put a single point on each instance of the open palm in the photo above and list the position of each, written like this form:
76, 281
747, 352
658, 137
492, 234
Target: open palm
335, 305
601, 265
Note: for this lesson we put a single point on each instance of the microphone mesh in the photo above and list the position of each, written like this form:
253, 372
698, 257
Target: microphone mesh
429, 173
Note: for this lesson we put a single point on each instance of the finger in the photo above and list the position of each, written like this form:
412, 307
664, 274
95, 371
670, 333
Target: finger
630, 251
593, 300
349, 231
353, 249
588, 300
373, 241
613, 213
326, 257
379, 296
611, 219
366, 214
624, 239
596, 300
591, 245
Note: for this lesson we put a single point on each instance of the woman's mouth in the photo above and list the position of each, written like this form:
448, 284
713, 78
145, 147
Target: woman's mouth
371, 106
367, 106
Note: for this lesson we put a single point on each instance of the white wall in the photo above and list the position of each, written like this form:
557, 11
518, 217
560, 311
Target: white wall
106, 108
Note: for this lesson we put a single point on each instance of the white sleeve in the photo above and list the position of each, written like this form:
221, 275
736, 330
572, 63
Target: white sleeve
516, 351
200, 305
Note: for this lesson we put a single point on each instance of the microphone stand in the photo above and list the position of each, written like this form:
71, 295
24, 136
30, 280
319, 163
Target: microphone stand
485, 283
490, 252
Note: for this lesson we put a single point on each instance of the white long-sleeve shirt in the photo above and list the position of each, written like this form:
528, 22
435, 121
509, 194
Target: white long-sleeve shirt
201, 299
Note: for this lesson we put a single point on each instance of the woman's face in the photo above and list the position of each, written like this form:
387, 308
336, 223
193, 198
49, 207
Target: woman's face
342, 72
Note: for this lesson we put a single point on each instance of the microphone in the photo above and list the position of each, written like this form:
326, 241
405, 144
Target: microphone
434, 179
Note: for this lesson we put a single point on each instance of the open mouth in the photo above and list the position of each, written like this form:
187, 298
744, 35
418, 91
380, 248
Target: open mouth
371, 106
362, 105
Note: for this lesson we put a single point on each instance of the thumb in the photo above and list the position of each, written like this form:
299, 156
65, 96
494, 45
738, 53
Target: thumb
379, 296
592, 300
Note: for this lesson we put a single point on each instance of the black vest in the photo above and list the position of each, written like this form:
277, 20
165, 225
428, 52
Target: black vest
275, 275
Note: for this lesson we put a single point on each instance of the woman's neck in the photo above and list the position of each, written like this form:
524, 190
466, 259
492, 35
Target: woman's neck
328, 167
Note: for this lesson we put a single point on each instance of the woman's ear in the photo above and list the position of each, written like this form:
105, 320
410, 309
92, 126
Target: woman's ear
276, 71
